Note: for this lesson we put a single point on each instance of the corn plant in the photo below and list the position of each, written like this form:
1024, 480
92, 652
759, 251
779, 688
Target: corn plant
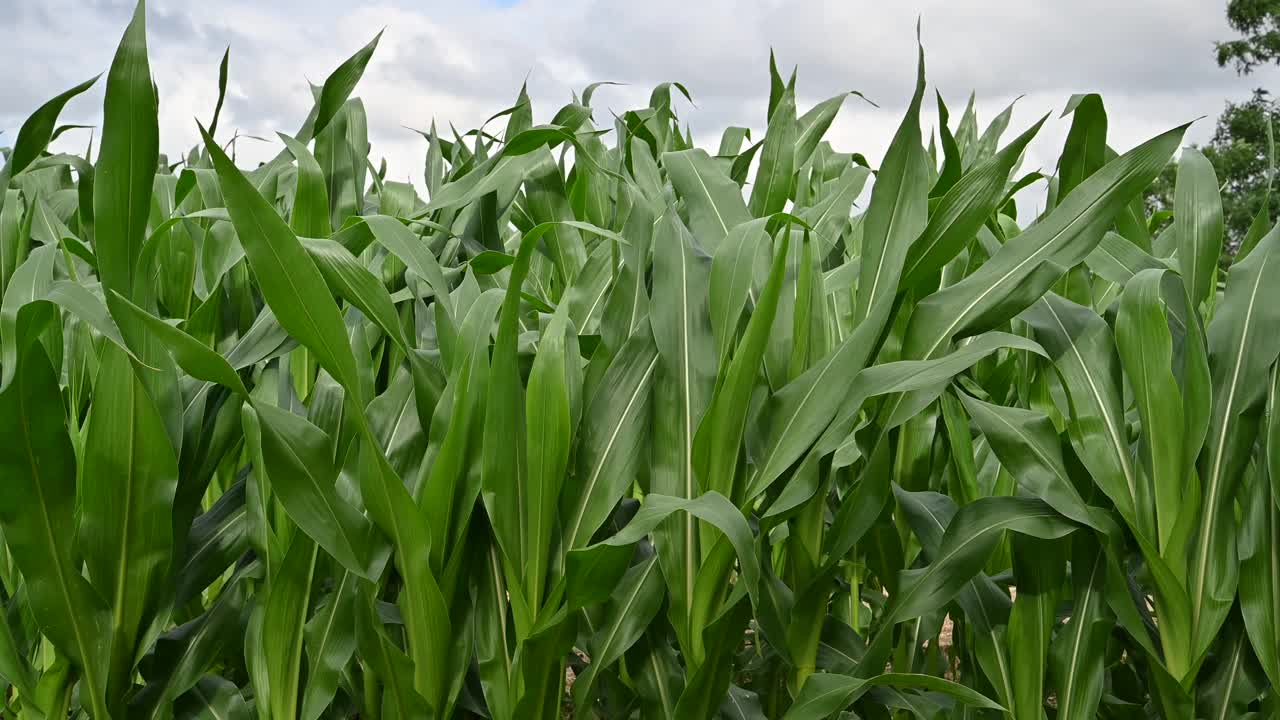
609, 425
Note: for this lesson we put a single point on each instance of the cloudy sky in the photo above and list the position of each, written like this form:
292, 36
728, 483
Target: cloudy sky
460, 61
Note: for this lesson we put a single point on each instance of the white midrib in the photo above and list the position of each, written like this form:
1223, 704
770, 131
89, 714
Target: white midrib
230, 523
604, 288
768, 187
687, 449
888, 235
1081, 617
122, 562
1215, 475
608, 448
295, 663
1097, 397
1045, 248
1231, 684
1001, 662
625, 608
499, 593
932, 568
60, 570
707, 192
328, 503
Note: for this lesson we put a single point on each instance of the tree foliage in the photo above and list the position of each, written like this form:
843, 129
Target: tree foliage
1240, 149
1259, 23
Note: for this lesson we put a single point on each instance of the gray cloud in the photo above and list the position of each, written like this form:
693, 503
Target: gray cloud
459, 62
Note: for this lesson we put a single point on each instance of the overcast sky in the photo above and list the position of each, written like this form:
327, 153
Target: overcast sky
460, 61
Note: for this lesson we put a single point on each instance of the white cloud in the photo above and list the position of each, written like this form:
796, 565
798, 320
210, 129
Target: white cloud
459, 62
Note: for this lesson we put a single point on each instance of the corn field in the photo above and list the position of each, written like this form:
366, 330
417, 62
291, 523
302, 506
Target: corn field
608, 425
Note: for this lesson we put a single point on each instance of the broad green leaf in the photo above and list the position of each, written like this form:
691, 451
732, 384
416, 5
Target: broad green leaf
969, 539
192, 356
1026, 266
631, 608
1083, 350
297, 460
39, 497
289, 280
338, 87
714, 201
682, 393
1028, 448
310, 215
549, 428
1076, 657
611, 442
127, 489
962, 211
776, 174
710, 507
127, 159
288, 603
826, 694
1241, 348
1085, 148
1260, 566
1197, 223
330, 642
1146, 351
37, 131
719, 437
898, 213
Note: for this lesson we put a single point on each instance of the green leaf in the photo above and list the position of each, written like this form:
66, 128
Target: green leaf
212, 699
826, 694
1242, 346
682, 392
547, 201
1026, 444
1027, 265
611, 440
1197, 224
719, 438
775, 177
1260, 558
631, 608
711, 507
338, 87
732, 272
126, 490
311, 197
192, 356
1040, 568
549, 427
297, 461
37, 132
898, 213
390, 665
1077, 655
969, 539
1085, 149
330, 642
962, 210
288, 602
1146, 350
38, 498
289, 280
1083, 351
490, 262
714, 201
127, 160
